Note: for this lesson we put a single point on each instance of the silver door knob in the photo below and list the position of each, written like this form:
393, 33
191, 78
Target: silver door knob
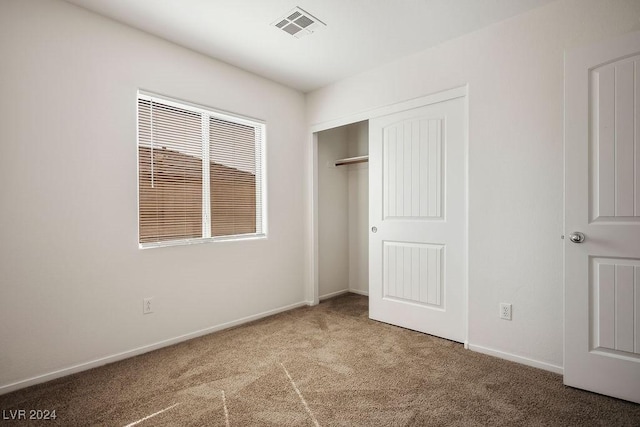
374, 229
577, 237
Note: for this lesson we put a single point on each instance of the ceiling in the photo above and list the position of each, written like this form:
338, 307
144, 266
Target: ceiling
359, 34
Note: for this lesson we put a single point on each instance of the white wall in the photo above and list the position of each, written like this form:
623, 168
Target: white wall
72, 277
333, 214
358, 206
515, 74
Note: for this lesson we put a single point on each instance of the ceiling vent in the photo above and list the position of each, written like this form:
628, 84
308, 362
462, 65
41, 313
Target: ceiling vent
298, 23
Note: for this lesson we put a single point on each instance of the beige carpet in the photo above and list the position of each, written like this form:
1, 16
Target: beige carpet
327, 365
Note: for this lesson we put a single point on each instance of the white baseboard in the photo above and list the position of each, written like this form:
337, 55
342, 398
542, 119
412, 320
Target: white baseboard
8, 388
342, 292
518, 359
333, 294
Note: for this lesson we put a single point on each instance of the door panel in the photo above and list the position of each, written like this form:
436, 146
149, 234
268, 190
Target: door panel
614, 306
413, 272
413, 166
417, 166
602, 201
616, 193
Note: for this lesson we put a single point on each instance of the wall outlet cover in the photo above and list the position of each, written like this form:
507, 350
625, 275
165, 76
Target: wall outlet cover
147, 305
505, 311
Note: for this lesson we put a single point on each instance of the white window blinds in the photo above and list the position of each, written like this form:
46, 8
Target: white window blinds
200, 173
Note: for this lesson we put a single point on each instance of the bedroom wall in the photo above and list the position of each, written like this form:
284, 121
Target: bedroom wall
514, 70
73, 278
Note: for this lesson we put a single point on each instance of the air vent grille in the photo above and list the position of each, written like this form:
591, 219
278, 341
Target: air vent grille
304, 21
292, 29
298, 23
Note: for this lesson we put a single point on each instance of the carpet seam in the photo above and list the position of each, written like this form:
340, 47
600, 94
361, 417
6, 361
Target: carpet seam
304, 402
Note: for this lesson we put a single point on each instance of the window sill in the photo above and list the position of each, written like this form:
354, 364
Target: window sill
185, 242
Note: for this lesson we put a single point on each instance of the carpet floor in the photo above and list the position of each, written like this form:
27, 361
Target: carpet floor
327, 365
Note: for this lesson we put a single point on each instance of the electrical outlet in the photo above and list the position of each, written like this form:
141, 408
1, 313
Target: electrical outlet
505, 311
147, 306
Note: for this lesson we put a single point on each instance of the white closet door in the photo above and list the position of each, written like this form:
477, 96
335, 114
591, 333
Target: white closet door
417, 217
602, 205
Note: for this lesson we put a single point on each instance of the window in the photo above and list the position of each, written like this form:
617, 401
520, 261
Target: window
200, 174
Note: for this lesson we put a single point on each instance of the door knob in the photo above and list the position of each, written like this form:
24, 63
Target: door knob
577, 237
374, 229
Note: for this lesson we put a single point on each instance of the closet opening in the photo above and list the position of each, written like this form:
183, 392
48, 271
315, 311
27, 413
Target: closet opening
343, 210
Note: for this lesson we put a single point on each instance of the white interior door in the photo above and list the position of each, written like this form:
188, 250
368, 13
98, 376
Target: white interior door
602, 201
417, 216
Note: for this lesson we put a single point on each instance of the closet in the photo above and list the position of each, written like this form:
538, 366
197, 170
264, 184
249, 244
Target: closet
343, 210
400, 238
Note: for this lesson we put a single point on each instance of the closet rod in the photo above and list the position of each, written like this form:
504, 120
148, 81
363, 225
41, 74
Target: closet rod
352, 160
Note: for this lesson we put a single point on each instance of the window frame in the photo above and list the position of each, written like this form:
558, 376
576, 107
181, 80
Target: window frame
261, 164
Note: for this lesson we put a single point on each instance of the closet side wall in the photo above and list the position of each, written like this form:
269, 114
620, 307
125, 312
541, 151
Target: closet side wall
358, 202
333, 214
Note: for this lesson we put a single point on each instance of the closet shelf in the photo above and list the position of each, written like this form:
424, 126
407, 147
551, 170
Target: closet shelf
351, 160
